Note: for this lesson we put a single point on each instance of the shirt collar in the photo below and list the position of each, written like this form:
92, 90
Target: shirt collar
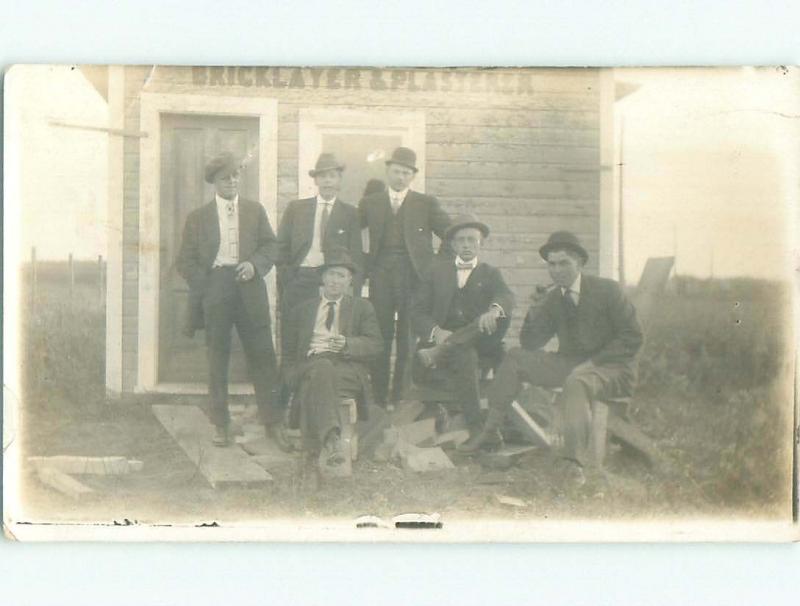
321, 200
222, 203
575, 287
398, 194
326, 300
473, 263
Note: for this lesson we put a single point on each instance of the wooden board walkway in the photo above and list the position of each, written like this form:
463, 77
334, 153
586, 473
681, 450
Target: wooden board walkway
222, 467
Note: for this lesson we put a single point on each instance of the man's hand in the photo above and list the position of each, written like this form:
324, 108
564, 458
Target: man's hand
488, 321
245, 271
336, 344
441, 335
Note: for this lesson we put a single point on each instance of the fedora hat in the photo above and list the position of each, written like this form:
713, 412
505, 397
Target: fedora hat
404, 157
563, 240
338, 257
325, 162
466, 220
222, 164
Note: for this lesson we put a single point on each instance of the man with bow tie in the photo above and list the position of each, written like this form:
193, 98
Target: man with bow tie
227, 248
309, 228
598, 339
401, 224
461, 312
330, 341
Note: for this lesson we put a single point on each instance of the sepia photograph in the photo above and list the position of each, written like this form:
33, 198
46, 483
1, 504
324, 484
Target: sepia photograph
400, 304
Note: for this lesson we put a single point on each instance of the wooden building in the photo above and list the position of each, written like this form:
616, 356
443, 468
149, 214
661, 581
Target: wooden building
528, 151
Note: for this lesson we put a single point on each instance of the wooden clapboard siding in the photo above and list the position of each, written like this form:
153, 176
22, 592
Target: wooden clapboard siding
523, 154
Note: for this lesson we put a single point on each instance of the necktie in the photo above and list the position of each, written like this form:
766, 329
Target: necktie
396, 201
323, 222
330, 316
229, 208
569, 302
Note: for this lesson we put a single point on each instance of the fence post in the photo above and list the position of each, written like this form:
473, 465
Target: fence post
33, 278
101, 279
71, 279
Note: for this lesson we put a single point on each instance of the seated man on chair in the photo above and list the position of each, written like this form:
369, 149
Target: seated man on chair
460, 311
332, 339
598, 335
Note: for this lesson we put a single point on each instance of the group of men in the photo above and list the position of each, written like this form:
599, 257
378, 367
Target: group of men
336, 345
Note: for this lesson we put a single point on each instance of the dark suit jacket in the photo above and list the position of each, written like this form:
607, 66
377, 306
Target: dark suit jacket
357, 322
199, 247
608, 331
423, 216
432, 298
295, 235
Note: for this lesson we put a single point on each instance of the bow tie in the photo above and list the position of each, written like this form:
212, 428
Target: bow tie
461, 266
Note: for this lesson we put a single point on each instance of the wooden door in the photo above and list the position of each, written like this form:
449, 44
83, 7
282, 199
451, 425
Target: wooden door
187, 143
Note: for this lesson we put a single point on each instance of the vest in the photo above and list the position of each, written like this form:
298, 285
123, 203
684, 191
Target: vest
461, 312
393, 235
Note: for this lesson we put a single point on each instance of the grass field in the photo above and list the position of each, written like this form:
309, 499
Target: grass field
713, 394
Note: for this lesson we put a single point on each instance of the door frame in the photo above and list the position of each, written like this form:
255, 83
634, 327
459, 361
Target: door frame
314, 122
152, 106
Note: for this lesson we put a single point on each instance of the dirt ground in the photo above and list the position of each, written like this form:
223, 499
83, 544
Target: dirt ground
171, 488
706, 397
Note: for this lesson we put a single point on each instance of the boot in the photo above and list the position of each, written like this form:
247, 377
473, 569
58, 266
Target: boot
277, 433
488, 437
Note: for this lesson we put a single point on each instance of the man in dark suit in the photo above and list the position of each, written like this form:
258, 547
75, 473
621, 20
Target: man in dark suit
228, 247
330, 341
400, 224
598, 335
460, 312
309, 228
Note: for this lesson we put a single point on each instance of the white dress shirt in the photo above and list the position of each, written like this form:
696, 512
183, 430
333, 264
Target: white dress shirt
228, 215
321, 334
315, 256
396, 198
574, 290
463, 273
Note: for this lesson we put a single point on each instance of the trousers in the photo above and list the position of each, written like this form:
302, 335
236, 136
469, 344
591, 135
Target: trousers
223, 309
582, 382
390, 286
458, 369
323, 381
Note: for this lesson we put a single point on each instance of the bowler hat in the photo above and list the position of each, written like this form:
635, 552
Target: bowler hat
325, 162
222, 164
404, 157
466, 220
563, 240
338, 257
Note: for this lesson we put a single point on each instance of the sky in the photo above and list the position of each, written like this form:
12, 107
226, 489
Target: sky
709, 157
710, 169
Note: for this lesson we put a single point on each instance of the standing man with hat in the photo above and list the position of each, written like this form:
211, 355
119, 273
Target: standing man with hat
330, 341
598, 336
401, 224
309, 228
461, 312
227, 249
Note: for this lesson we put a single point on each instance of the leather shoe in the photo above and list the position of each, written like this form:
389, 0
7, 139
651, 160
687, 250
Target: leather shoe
485, 439
277, 433
331, 457
222, 437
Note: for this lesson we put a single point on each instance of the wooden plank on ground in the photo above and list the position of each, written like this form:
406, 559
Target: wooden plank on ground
63, 483
103, 466
228, 466
419, 433
530, 428
405, 412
